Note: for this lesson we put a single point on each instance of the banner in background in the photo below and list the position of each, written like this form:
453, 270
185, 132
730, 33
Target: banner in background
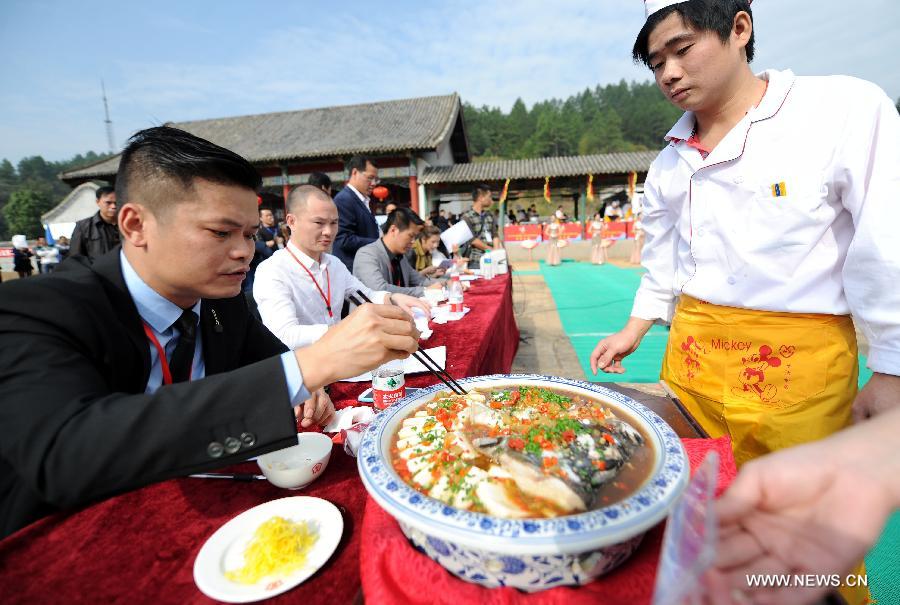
615, 230
505, 192
516, 234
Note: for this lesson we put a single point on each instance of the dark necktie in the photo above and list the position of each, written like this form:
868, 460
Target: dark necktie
183, 355
396, 272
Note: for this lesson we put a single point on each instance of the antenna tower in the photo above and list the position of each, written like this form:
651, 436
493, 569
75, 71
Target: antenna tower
109, 129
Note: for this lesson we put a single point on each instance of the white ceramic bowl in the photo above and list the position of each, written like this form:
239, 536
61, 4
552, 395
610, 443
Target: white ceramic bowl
299, 465
529, 554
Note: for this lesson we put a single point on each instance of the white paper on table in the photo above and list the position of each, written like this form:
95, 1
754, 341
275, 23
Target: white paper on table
410, 365
422, 323
443, 314
469, 277
347, 417
457, 235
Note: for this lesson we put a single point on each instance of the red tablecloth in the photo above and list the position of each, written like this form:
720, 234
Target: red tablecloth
394, 572
140, 546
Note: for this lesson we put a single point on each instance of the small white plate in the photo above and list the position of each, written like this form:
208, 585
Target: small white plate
224, 550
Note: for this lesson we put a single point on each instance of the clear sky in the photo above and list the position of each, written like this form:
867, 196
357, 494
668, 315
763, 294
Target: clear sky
174, 61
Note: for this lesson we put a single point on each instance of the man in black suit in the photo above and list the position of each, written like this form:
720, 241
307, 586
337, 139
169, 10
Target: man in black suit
356, 224
97, 362
268, 230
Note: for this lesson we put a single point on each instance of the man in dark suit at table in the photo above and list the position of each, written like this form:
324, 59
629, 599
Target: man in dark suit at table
148, 365
356, 223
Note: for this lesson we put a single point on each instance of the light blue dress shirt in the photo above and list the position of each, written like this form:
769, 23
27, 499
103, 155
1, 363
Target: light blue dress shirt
160, 313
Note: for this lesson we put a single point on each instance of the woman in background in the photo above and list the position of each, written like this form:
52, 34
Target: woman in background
421, 254
595, 228
22, 256
638, 240
553, 256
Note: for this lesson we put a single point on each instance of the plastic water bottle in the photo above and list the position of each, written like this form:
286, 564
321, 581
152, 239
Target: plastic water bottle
455, 294
488, 270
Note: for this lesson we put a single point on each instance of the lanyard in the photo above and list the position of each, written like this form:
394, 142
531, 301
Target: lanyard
327, 299
166, 372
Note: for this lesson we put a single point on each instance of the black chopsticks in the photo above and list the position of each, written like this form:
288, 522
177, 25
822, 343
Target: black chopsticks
434, 368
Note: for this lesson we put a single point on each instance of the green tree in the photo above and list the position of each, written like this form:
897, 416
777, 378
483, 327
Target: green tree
25, 207
605, 119
9, 180
605, 135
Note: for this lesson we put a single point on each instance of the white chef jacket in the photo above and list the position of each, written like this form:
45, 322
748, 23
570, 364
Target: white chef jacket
796, 210
290, 304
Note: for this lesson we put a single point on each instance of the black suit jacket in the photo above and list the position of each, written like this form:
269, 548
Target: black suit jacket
77, 425
356, 227
93, 237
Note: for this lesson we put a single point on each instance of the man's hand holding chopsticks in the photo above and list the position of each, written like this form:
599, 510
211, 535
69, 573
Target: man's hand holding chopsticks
367, 338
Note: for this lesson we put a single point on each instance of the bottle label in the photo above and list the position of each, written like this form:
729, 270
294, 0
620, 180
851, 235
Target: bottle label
388, 387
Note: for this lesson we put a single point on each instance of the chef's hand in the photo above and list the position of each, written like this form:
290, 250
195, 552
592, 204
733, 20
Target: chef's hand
880, 394
812, 509
318, 409
610, 351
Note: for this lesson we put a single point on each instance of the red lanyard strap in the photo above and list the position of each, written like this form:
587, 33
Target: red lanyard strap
166, 372
327, 299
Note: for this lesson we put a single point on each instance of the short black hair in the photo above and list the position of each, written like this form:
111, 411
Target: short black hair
159, 164
716, 16
480, 189
358, 162
403, 218
105, 190
319, 179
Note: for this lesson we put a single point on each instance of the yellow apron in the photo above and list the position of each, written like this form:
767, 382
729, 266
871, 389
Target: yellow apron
770, 380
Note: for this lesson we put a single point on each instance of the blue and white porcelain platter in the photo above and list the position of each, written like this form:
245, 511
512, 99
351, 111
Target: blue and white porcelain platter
575, 548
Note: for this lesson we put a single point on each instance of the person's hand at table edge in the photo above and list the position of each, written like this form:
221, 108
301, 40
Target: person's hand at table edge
318, 409
815, 509
367, 338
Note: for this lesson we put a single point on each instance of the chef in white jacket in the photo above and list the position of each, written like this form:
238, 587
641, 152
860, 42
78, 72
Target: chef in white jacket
770, 219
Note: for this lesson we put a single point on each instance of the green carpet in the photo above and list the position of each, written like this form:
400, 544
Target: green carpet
595, 301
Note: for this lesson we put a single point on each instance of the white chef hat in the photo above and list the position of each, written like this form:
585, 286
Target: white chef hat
652, 6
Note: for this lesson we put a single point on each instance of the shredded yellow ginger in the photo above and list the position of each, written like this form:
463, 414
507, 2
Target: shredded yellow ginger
278, 546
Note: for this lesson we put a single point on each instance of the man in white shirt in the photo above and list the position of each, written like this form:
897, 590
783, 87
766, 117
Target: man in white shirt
301, 289
769, 219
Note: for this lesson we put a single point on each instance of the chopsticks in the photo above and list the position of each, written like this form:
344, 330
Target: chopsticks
434, 368
233, 476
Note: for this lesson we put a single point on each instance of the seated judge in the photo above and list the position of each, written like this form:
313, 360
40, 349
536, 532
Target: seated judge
382, 265
424, 255
301, 289
153, 367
